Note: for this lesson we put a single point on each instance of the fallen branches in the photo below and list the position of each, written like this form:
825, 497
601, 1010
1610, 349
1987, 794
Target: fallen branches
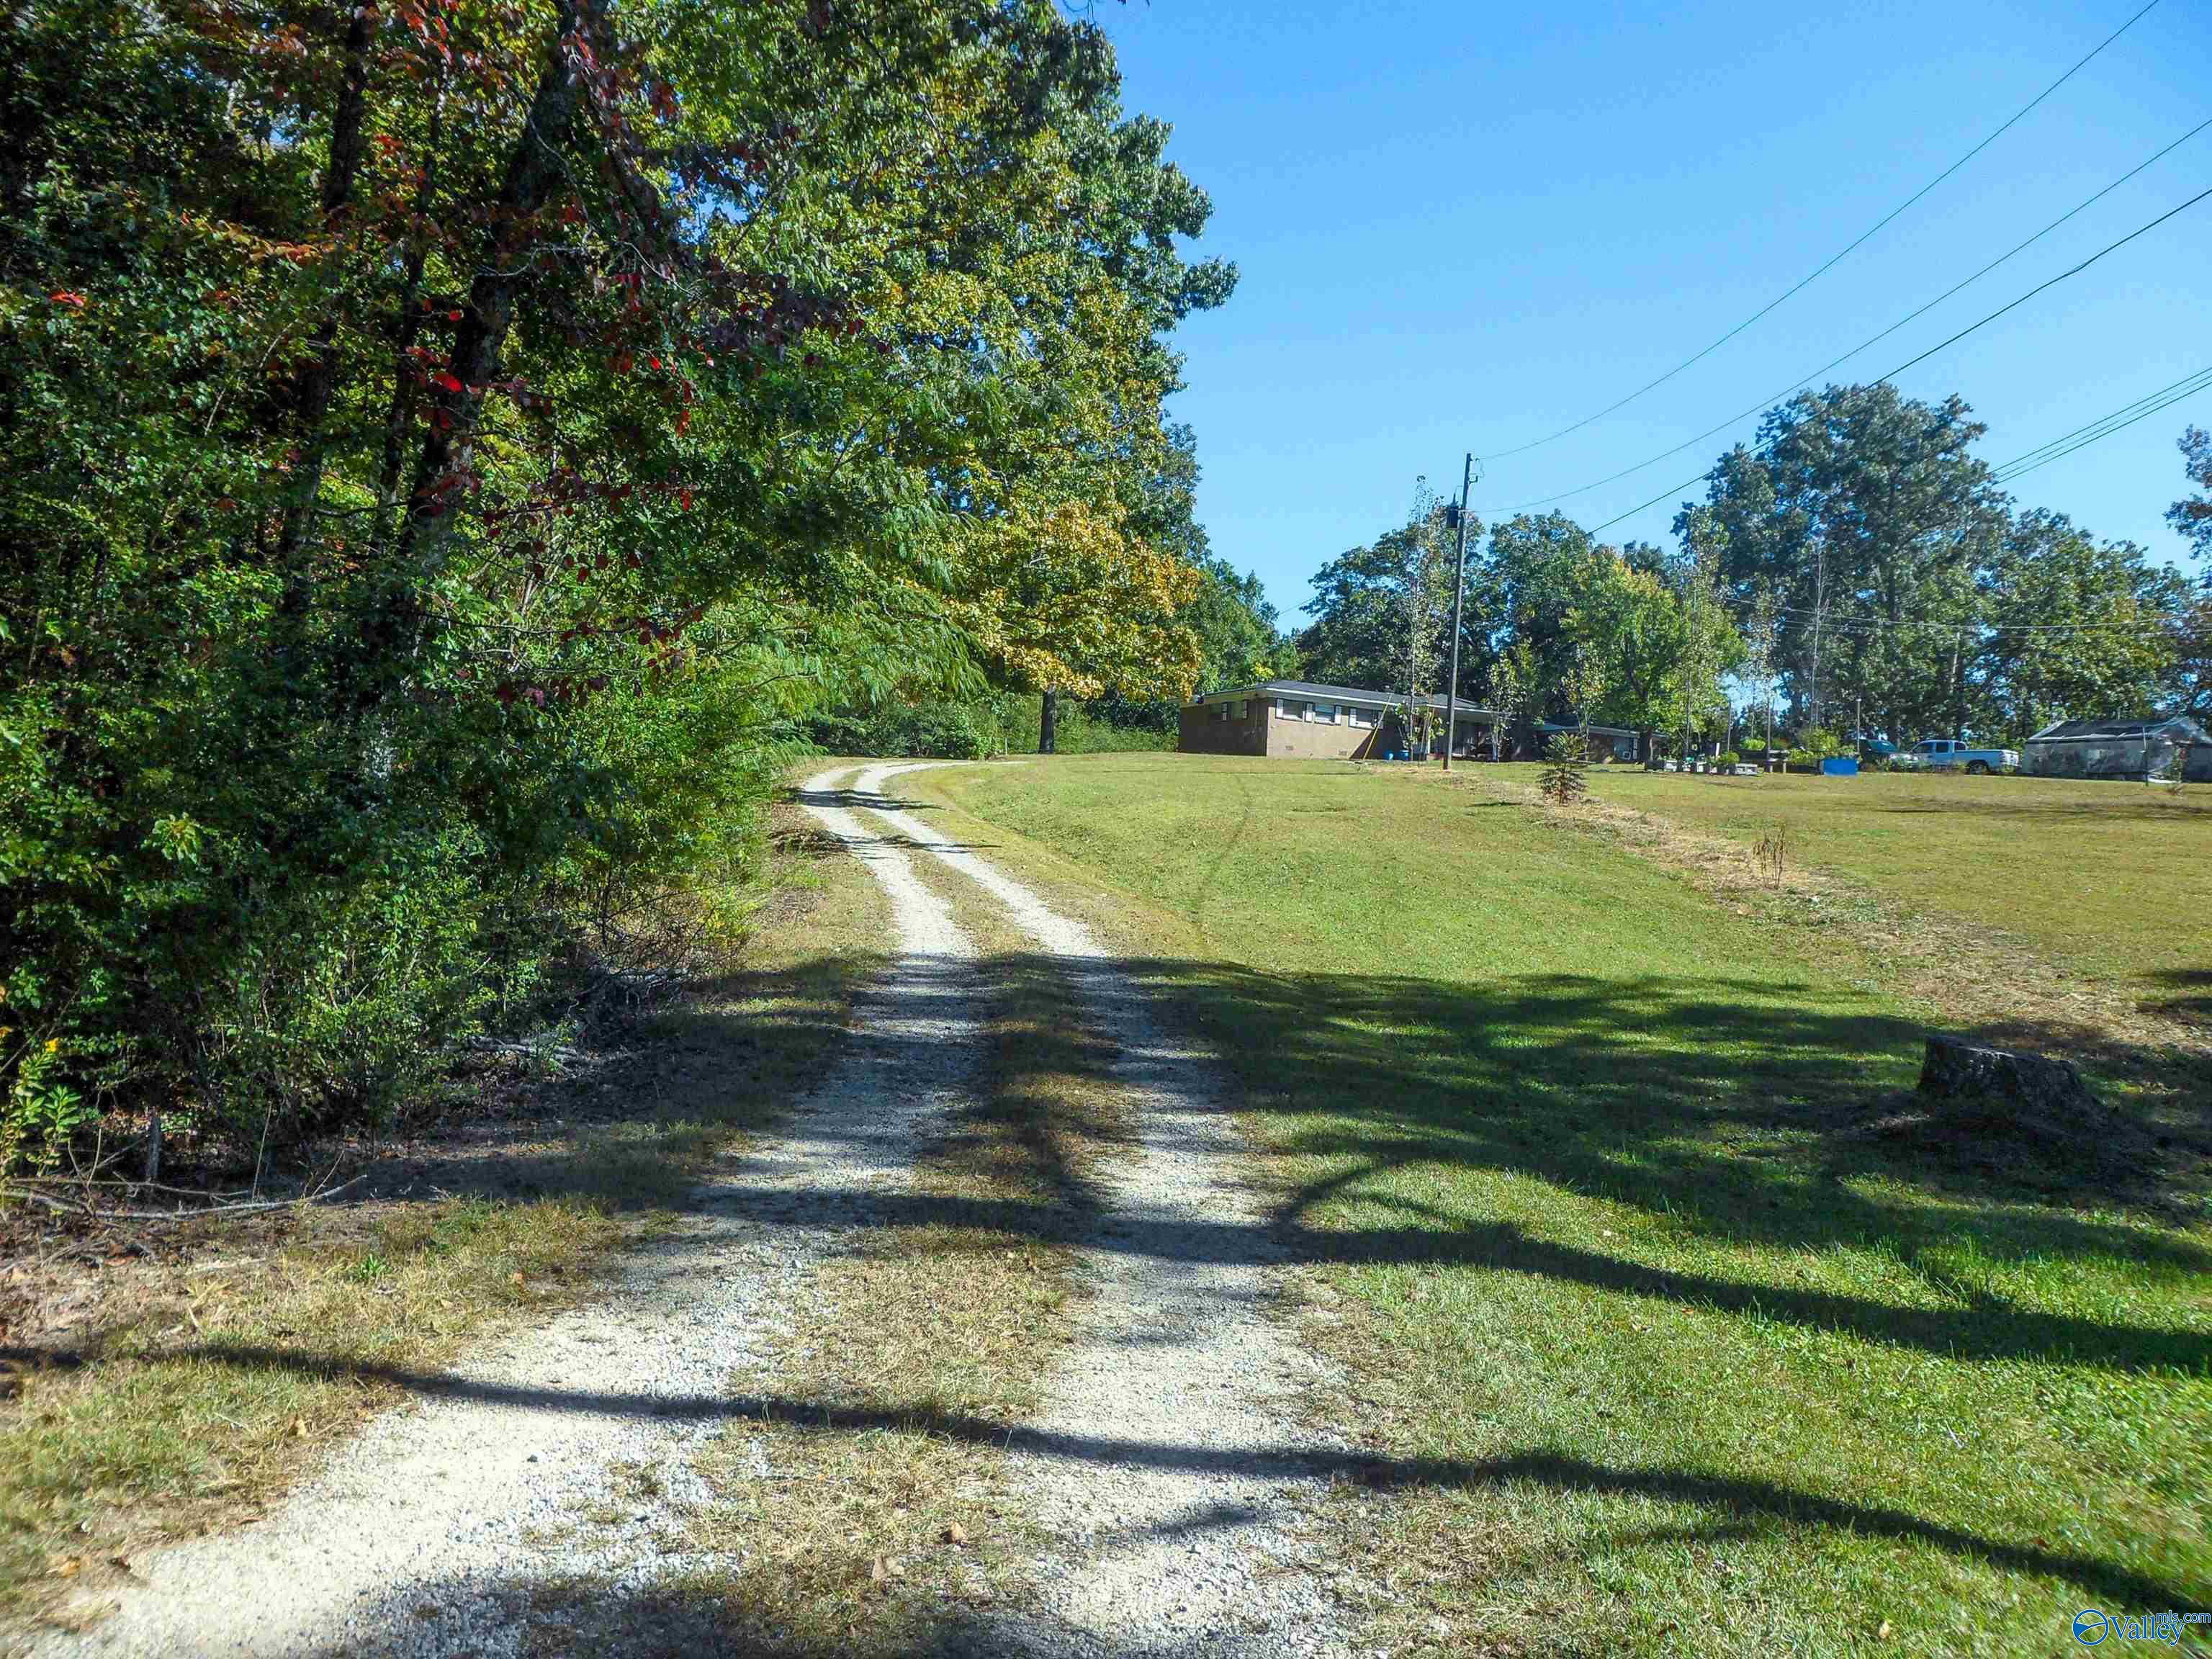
92, 1212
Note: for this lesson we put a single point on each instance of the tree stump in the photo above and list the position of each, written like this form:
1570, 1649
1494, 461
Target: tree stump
2002, 1082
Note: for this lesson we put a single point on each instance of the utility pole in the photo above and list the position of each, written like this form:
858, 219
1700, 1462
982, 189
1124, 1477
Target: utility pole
1958, 691
1459, 595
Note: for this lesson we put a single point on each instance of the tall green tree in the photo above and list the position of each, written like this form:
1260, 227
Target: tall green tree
1869, 514
1358, 615
2192, 517
1642, 643
2074, 628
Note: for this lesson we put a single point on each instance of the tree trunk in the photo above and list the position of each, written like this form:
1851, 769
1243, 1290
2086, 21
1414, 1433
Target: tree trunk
400, 412
1819, 621
1048, 724
536, 171
1958, 691
318, 379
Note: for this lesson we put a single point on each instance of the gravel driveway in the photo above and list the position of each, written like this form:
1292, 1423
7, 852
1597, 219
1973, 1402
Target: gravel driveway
1184, 1541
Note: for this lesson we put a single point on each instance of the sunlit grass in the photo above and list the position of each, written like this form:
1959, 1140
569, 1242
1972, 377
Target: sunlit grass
2115, 877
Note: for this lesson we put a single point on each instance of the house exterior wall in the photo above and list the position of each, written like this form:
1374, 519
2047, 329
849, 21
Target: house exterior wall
1293, 739
1198, 732
1214, 728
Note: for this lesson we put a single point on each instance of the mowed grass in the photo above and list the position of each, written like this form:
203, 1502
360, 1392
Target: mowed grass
2114, 878
1657, 1345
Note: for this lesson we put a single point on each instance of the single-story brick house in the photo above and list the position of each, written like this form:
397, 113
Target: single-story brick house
1301, 720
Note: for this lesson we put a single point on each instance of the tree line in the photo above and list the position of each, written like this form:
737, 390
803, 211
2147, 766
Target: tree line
1855, 566
449, 449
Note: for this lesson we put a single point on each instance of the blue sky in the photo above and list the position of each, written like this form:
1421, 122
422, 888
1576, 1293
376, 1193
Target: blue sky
1464, 227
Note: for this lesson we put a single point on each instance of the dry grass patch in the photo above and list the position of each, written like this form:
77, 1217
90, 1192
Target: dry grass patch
1974, 971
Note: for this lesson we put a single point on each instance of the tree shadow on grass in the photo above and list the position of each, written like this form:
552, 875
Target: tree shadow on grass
1737, 1111
1735, 1498
728, 1055
1741, 1109
2186, 994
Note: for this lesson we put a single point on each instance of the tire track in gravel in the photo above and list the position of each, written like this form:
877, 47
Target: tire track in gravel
417, 1538
1196, 1559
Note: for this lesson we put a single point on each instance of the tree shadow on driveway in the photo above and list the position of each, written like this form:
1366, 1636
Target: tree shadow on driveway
1539, 1467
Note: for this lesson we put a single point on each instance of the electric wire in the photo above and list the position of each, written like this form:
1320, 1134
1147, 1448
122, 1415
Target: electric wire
1982, 322
2097, 431
1834, 260
1804, 381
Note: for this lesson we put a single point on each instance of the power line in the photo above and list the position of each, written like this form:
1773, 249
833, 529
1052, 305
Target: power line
2010, 305
1834, 260
2118, 421
1804, 381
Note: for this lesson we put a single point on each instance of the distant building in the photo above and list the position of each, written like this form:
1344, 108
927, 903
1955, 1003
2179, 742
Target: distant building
1300, 719
2129, 749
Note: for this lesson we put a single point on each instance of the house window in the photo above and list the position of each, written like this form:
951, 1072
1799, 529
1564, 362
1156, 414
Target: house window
1240, 709
1221, 711
1325, 711
1362, 716
1292, 710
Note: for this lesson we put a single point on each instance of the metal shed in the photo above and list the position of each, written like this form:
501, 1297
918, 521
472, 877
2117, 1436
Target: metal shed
2133, 749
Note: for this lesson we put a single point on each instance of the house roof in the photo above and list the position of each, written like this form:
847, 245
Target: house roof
1307, 689
1312, 691
2074, 731
1602, 731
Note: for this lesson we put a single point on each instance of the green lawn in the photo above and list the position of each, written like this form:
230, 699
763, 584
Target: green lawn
1657, 1346
2113, 877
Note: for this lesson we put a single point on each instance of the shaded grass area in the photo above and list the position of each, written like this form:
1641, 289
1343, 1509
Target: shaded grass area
1582, 1169
132, 1422
2115, 877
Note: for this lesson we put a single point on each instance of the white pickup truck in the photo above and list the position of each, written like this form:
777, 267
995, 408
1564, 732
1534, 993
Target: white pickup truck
1949, 752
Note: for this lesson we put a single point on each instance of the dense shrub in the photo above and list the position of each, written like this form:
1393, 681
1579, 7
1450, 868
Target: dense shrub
979, 728
924, 730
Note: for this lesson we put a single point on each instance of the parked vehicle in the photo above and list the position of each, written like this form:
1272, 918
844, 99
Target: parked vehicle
1932, 752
